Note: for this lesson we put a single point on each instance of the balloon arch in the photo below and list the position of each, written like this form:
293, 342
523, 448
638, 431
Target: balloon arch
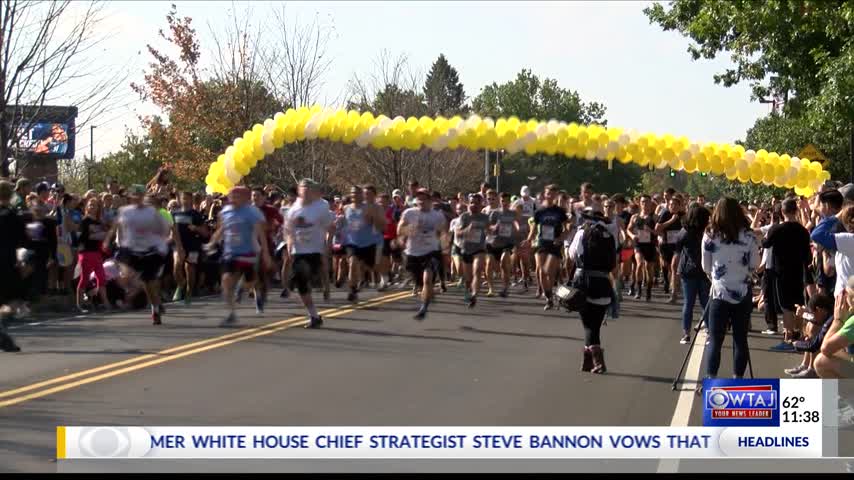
590, 142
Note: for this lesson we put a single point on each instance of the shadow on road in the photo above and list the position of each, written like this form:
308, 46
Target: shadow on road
519, 334
401, 335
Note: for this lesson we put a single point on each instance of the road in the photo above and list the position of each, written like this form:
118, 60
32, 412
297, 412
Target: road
507, 362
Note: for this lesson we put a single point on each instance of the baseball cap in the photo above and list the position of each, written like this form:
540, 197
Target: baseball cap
136, 188
423, 191
525, 191
308, 183
57, 186
847, 192
42, 187
397, 193
21, 182
239, 189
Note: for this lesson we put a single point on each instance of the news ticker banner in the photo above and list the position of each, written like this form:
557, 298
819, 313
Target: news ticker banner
742, 418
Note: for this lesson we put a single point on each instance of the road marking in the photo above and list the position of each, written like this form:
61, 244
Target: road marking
60, 443
195, 347
687, 395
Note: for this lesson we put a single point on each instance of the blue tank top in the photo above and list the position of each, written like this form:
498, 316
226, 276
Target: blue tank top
360, 233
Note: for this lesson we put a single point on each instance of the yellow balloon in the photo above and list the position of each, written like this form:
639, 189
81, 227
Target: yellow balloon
716, 165
691, 164
703, 164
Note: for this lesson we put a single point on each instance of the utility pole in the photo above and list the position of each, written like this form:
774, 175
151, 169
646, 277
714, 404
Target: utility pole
851, 152
91, 156
486, 166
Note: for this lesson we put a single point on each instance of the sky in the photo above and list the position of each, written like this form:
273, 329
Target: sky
607, 51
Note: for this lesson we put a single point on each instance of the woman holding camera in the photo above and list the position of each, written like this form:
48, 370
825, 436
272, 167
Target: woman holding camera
730, 256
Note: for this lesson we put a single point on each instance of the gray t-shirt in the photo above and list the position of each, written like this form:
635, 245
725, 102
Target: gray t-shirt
474, 240
504, 236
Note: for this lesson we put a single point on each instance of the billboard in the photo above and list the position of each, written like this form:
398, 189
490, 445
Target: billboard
45, 132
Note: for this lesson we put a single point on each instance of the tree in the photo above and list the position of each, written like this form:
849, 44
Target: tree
443, 92
46, 52
528, 97
800, 53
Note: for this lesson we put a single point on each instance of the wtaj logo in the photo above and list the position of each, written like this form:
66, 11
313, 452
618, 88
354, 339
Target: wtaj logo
741, 403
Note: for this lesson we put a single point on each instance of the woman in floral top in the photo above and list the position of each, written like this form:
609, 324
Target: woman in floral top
730, 256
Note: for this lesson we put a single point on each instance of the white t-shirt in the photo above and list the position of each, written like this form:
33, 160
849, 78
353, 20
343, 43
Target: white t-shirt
308, 225
767, 253
422, 237
529, 206
458, 240
843, 260
142, 229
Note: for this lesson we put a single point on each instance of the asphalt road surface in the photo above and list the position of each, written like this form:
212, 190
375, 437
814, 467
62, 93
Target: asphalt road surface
505, 363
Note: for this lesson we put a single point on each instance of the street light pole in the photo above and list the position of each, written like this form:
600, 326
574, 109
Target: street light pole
91, 156
486, 166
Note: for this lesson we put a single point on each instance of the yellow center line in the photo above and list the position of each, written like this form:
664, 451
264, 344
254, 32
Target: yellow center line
196, 347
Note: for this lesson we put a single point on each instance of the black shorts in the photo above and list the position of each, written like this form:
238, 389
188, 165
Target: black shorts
667, 252
554, 250
338, 251
647, 251
498, 251
367, 255
307, 267
468, 258
432, 262
244, 265
456, 251
149, 265
788, 292
11, 288
281, 252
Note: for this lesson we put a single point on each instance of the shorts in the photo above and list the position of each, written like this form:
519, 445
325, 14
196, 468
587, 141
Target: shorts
307, 267
11, 288
647, 252
281, 251
626, 255
387, 247
338, 251
455, 251
667, 252
788, 292
246, 265
367, 255
553, 250
192, 257
468, 258
149, 265
432, 262
498, 252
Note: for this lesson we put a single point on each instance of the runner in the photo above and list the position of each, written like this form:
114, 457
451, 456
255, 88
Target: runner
14, 235
550, 222
272, 223
456, 244
143, 235
282, 251
493, 258
471, 231
641, 230
339, 255
241, 229
379, 270
192, 229
523, 250
308, 226
667, 228
361, 222
504, 226
422, 227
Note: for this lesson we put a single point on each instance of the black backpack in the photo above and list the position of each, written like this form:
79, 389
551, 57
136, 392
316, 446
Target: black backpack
599, 253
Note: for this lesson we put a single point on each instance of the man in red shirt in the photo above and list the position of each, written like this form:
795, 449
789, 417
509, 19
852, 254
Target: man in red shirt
273, 221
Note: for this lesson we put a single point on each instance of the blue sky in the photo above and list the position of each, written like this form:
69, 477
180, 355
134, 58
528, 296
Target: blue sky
607, 51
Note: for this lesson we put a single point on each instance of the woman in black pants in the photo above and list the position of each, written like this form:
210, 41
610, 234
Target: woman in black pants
594, 259
730, 256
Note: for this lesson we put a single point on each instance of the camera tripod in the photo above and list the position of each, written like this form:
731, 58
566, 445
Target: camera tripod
703, 321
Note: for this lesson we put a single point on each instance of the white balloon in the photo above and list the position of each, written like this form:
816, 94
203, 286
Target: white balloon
268, 146
474, 120
237, 142
792, 173
602, 153
311, 129
451, 133
230, 172
269, 123
362, 141
384, 124
515, 147
530, 137
694, 148
684, 155
613, 147
398, 119
278, 115
750, 156
229, 152
209, 190
542, 130
490, 123
796, 162
624, 139
634, 135
552, 126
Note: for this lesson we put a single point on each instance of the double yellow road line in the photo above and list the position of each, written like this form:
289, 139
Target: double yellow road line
85, 377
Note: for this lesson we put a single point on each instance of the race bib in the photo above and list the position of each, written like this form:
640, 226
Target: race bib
474, 235
672, 236
644, 236
505, 230
193, 257
355, 224
302, 235
547, 232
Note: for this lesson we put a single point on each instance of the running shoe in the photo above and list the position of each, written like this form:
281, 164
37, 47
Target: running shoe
231, 319
352, 297
422, 312
287, 293
473, 301
314, 322
783, 347
770, 331
7, 344
808, 373
179, 294
503, 293
549, 305
686, 339
259, 305
490, 293
795, 370
155, 319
